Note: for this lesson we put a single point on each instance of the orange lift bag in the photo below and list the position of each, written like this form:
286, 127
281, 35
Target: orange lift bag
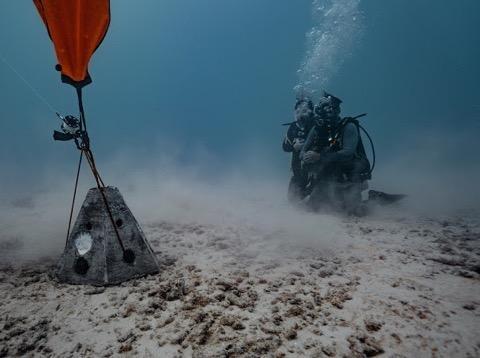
77, 28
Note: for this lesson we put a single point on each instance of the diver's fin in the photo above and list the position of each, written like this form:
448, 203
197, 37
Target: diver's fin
382, 198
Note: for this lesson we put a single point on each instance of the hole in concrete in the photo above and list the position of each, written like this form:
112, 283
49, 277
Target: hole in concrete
81, 266
89, 226
128, 256
119, 222
83, 243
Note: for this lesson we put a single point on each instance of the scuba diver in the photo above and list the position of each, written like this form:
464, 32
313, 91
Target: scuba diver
293, 143
334, 158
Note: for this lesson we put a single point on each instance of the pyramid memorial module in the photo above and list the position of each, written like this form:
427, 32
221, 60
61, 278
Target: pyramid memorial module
93, 254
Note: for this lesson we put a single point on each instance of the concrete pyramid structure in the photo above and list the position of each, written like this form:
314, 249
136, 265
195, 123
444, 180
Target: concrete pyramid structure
93, 254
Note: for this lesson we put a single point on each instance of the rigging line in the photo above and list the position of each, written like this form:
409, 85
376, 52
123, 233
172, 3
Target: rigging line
88, 155
74, 196
33, 89
107, 206
83, 122
80, 108
88, 151
101, 187
95, 166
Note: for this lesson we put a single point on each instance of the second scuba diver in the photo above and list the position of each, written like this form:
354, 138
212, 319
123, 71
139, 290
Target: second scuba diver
293, 143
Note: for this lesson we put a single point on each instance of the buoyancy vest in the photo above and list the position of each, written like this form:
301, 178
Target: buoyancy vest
330, 139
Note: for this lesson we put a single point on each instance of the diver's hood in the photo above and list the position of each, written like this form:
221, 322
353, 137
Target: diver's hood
331, 98
305, 100
328, 107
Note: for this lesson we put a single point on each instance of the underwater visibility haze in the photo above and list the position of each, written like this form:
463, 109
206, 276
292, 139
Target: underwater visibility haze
189, 98
189, 93
193, 95
185, 117
185, 79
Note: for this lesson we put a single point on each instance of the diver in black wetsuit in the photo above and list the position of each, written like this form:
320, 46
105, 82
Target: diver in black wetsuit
335, 160
293, 143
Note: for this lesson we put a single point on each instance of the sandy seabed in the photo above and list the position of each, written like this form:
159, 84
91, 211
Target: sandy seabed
392, 287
